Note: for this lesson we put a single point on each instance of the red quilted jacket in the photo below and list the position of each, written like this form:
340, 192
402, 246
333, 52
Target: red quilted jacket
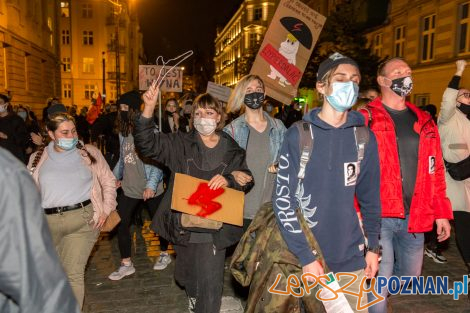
429, 200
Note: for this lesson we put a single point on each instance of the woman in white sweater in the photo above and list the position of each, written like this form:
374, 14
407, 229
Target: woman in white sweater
78, 192
454, 129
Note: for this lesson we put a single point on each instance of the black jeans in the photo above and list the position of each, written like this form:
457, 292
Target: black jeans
430, 239
462, 234
201, 273
126, 208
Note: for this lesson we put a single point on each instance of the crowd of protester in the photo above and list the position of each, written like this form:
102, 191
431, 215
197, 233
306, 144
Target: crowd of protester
358, 201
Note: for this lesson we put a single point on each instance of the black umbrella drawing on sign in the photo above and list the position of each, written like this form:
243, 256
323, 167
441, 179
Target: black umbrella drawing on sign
299, 30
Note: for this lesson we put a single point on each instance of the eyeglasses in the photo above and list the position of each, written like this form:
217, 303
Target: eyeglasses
465, 94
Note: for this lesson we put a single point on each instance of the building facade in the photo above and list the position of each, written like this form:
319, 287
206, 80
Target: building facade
29, 51
240, 38
100, 49
430, 35
236, 45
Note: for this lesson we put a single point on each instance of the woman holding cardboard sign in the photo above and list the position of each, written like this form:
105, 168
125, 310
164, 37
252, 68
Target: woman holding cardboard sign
206, 152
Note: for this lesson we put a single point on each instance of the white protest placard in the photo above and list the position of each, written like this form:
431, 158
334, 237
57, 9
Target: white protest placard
173, 81
222, 93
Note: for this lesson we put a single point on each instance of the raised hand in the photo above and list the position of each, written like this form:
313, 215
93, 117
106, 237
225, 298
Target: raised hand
461, 64
150, 98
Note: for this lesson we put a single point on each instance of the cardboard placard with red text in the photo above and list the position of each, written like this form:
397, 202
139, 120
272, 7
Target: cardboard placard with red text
191, 196
286, 48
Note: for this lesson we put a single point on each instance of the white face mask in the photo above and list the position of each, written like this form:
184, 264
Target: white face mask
3, 108
205, 126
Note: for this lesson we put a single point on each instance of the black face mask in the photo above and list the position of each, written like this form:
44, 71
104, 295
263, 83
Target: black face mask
170, 114
125, 116
402, 86
254, 100
465, 109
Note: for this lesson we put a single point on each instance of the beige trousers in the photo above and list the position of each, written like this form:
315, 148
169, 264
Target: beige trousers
355, 287
74, 238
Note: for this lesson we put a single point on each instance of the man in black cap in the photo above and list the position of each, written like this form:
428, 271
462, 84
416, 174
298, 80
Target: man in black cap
56, 108
318, 181
50, 102
13, 132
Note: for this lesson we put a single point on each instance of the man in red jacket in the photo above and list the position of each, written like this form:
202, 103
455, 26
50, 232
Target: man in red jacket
412, 186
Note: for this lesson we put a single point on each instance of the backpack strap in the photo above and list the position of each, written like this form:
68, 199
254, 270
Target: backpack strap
305, 145
306, 138
361, 135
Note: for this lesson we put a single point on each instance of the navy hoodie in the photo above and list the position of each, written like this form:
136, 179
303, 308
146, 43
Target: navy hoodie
326, 194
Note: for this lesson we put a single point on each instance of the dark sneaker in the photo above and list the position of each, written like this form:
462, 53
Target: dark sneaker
435, 255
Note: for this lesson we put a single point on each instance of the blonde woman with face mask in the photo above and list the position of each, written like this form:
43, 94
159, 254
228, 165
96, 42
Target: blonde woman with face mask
261, 136
208, 153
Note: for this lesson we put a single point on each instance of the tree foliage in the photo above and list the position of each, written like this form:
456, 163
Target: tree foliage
342, 33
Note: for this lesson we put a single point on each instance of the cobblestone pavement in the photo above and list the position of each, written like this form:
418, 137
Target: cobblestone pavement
156, 291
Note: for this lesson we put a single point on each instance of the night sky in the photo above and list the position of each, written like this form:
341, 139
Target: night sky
171, 27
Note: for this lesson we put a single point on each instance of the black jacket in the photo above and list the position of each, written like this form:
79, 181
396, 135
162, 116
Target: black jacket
104, 125
166, 128
18, 137
173, 150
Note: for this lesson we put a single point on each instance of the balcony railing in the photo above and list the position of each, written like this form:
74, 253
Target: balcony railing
112, 47
111, 21
112, 76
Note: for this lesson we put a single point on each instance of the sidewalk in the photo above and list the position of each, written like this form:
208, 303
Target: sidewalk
156, 291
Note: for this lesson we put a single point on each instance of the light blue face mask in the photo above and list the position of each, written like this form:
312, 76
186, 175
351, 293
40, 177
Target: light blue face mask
344, 95
23, 115
66, 143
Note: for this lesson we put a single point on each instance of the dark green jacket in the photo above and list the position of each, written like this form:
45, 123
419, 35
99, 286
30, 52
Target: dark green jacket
261, 255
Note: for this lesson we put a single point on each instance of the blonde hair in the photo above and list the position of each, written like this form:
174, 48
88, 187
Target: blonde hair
236, 100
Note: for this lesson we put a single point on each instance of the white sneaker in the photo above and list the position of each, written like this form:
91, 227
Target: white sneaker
123, 271
231, 304
191, 305
162, 262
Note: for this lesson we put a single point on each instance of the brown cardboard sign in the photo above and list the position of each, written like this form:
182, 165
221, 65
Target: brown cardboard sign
286, 48
192, 196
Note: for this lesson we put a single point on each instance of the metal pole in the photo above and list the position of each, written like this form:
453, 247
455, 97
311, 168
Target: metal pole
160, 111
118, 61
103, 98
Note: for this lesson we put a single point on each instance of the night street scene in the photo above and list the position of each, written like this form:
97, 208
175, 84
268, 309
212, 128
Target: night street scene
259, 156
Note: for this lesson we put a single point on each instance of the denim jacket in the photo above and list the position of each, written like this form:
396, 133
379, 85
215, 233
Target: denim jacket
240, 131
153, 174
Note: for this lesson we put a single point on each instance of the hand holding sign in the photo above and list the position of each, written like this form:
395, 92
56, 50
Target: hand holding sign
204, 197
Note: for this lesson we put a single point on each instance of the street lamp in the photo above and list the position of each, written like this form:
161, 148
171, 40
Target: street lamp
103, 98
117, 13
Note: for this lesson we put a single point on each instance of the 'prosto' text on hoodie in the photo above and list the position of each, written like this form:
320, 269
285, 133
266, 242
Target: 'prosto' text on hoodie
326, 194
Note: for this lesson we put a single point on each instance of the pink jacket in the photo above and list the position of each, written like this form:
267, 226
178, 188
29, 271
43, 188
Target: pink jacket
103, 190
